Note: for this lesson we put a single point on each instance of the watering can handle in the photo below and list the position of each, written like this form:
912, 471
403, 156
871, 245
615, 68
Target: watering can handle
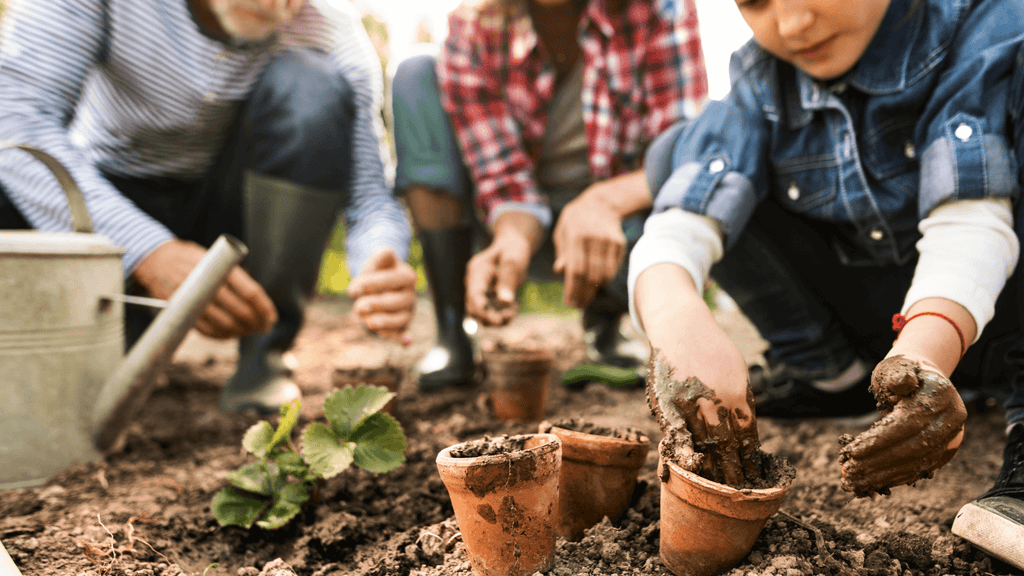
80, 220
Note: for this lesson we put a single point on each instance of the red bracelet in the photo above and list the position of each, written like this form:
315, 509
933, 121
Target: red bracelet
899, 321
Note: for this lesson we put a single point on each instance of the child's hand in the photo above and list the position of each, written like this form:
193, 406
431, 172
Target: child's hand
922, 428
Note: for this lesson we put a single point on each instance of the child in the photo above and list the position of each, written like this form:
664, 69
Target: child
861, 166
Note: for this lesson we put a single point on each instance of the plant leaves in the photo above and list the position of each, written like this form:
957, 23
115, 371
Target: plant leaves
380, 443
326, 455
231, 508
285, 507
257, 439
345, 409
292, 464
289, 417
255, 478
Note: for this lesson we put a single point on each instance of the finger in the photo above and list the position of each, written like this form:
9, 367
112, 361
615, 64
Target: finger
242, 284
387, 321
385, 302
728, 451
221, 324
508, 277
206, 328
390, 280
881, 480
745, 430
936, 437
242, 314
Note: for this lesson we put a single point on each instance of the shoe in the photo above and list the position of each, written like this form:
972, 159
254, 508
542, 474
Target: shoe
613, 359
995, 522
264, 386
452, 361
778, 394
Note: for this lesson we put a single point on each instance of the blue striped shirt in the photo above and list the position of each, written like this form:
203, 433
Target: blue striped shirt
132, 87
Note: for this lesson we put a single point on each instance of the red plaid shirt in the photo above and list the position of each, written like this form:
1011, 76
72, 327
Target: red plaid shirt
642, 70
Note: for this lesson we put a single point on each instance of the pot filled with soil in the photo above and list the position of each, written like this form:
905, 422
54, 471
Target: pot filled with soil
599, 471
718, 488
708, 527
505, 495
518, 376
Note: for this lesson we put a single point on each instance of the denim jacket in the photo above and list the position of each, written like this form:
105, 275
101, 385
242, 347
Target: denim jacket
921, 119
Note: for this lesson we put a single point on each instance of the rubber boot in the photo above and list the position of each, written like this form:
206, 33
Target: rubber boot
287, 226
445, 256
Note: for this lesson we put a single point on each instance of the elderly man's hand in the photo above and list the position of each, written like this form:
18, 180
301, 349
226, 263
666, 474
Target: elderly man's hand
385, 295
921, 430
589, 248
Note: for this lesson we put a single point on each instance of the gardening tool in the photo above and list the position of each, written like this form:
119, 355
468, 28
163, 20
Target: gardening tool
67, 393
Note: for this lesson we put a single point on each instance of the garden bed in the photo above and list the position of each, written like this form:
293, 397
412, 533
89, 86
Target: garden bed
146, 510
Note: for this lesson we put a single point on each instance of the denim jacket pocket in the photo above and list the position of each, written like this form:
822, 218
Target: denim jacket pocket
807, 183
889, 149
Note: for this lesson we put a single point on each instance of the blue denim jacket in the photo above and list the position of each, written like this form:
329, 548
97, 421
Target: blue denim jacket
922, 118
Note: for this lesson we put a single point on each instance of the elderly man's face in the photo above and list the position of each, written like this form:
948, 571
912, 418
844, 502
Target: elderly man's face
253, 20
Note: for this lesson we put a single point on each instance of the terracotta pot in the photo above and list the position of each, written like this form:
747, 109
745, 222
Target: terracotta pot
517, 383
597, 479
506, 505
707, 527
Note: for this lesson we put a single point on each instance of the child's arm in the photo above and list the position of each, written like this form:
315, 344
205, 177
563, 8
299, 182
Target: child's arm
668, 264
968, 249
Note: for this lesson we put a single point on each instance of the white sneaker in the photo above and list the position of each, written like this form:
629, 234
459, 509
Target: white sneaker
996, 525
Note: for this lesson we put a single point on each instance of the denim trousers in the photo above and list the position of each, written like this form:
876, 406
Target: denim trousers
428, 154
296, 125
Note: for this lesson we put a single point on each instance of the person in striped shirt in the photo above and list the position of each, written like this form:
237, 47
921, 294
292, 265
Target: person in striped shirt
538, 112
181, 120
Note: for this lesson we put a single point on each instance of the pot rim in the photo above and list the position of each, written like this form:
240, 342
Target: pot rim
712, 487
551, 444
601, 438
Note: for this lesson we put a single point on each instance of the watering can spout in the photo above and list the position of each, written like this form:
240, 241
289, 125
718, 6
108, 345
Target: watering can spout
131, 383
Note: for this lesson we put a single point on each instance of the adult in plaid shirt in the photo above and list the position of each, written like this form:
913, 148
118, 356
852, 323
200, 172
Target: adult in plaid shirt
541, 111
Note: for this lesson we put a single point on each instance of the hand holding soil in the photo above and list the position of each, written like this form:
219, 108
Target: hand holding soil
725, 449
921, 430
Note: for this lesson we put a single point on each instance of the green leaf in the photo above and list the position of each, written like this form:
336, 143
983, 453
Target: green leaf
324, 452
231, 508
380, 444
346, 408
257, 439
289, 417
255, 478
285, 507
291, 463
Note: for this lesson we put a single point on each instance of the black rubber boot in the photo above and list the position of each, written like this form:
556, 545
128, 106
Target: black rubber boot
445, 256
287, 225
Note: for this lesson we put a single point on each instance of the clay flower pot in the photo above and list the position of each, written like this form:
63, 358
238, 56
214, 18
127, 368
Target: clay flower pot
707, 527
517, 382
506, 502
598, 477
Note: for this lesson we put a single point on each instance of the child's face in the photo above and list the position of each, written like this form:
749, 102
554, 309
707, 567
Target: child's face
824, 38
253, 20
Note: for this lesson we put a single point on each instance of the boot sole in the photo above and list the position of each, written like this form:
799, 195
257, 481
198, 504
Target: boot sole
996, 525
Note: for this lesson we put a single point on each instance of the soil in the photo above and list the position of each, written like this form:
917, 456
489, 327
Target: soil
145, 511
586, 427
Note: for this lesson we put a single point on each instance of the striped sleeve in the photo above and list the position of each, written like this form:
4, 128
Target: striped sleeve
47, 48
374, 218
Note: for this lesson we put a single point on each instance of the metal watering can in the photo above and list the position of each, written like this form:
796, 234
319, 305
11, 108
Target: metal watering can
66, 393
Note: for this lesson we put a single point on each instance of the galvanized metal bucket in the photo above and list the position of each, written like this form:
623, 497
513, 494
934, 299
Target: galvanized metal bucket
66, 394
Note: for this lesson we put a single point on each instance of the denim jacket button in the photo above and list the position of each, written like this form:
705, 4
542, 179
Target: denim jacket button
793, 192
716, 166
963, 132
876, 234
909, 151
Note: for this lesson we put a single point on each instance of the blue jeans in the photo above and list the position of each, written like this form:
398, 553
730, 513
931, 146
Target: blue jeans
296, 125
428, 154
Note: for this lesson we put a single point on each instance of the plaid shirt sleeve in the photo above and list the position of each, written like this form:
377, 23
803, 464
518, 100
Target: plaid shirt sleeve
675, 84
470, 77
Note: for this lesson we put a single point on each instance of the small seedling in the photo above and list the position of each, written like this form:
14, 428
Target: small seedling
271, 491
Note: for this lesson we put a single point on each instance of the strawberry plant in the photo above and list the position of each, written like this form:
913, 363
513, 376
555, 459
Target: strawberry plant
271, 491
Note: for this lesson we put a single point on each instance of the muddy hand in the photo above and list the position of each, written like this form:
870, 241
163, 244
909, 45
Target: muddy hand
725, 449
921, 430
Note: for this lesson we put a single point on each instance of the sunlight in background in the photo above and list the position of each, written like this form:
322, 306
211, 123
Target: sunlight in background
721, 28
